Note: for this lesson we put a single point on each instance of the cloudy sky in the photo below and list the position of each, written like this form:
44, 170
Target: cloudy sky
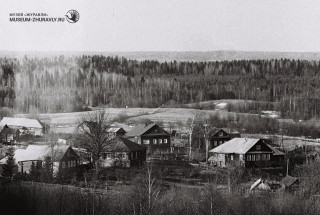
164, 25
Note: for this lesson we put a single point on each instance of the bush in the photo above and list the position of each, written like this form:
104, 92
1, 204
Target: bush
122, 117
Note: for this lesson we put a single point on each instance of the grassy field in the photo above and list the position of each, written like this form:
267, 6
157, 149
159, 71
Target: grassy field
67, 122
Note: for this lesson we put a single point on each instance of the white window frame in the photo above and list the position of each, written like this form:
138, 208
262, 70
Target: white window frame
248, 157
160, 141
165, 140
155, 141
146, 142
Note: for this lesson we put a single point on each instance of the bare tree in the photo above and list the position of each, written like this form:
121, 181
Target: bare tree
146, 190
204, 127
190, 125
93, 134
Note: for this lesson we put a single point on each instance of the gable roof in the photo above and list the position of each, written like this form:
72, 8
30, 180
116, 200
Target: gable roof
276, 152
259, 184
20, 122
120, 144
139, 130
115, 129
235, 146
7, 130
289, 180
217, 130
39, 152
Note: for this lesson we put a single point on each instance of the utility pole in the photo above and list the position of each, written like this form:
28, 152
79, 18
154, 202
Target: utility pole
287, 167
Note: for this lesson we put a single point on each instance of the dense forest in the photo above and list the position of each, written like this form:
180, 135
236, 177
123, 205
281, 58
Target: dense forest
61, 83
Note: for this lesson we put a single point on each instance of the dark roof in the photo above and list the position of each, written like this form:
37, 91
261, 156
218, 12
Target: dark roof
60, 151
289, 180
7, 130
276, 152
216, 130
139, 130
90, 124
120, 144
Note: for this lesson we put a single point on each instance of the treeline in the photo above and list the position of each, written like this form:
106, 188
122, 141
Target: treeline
72, 83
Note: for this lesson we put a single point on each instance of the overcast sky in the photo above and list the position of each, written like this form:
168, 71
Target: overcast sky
165, 25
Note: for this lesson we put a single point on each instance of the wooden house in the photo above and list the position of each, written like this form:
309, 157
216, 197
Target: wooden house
116, 131
62, 157
248, 152
219, 136
32, 126
9, 134
156, 139
123, 152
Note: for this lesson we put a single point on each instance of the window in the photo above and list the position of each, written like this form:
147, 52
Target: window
258, 157
165, 140
215, 143
146, 142
220, 134
258, 147
232, 157
253, 158
160, 141
248, 157
154, 141
263, 157
124, 156
220, 142
62, 164
268, 156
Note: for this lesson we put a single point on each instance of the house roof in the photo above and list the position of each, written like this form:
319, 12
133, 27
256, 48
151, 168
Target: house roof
120, 144
235, 146
20, 122
7, 130
276, 152
259, 184
114, 129
216, 130
139, 130
39, 152
289, 180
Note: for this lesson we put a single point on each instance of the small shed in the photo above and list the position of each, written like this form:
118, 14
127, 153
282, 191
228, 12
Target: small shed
290, 183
